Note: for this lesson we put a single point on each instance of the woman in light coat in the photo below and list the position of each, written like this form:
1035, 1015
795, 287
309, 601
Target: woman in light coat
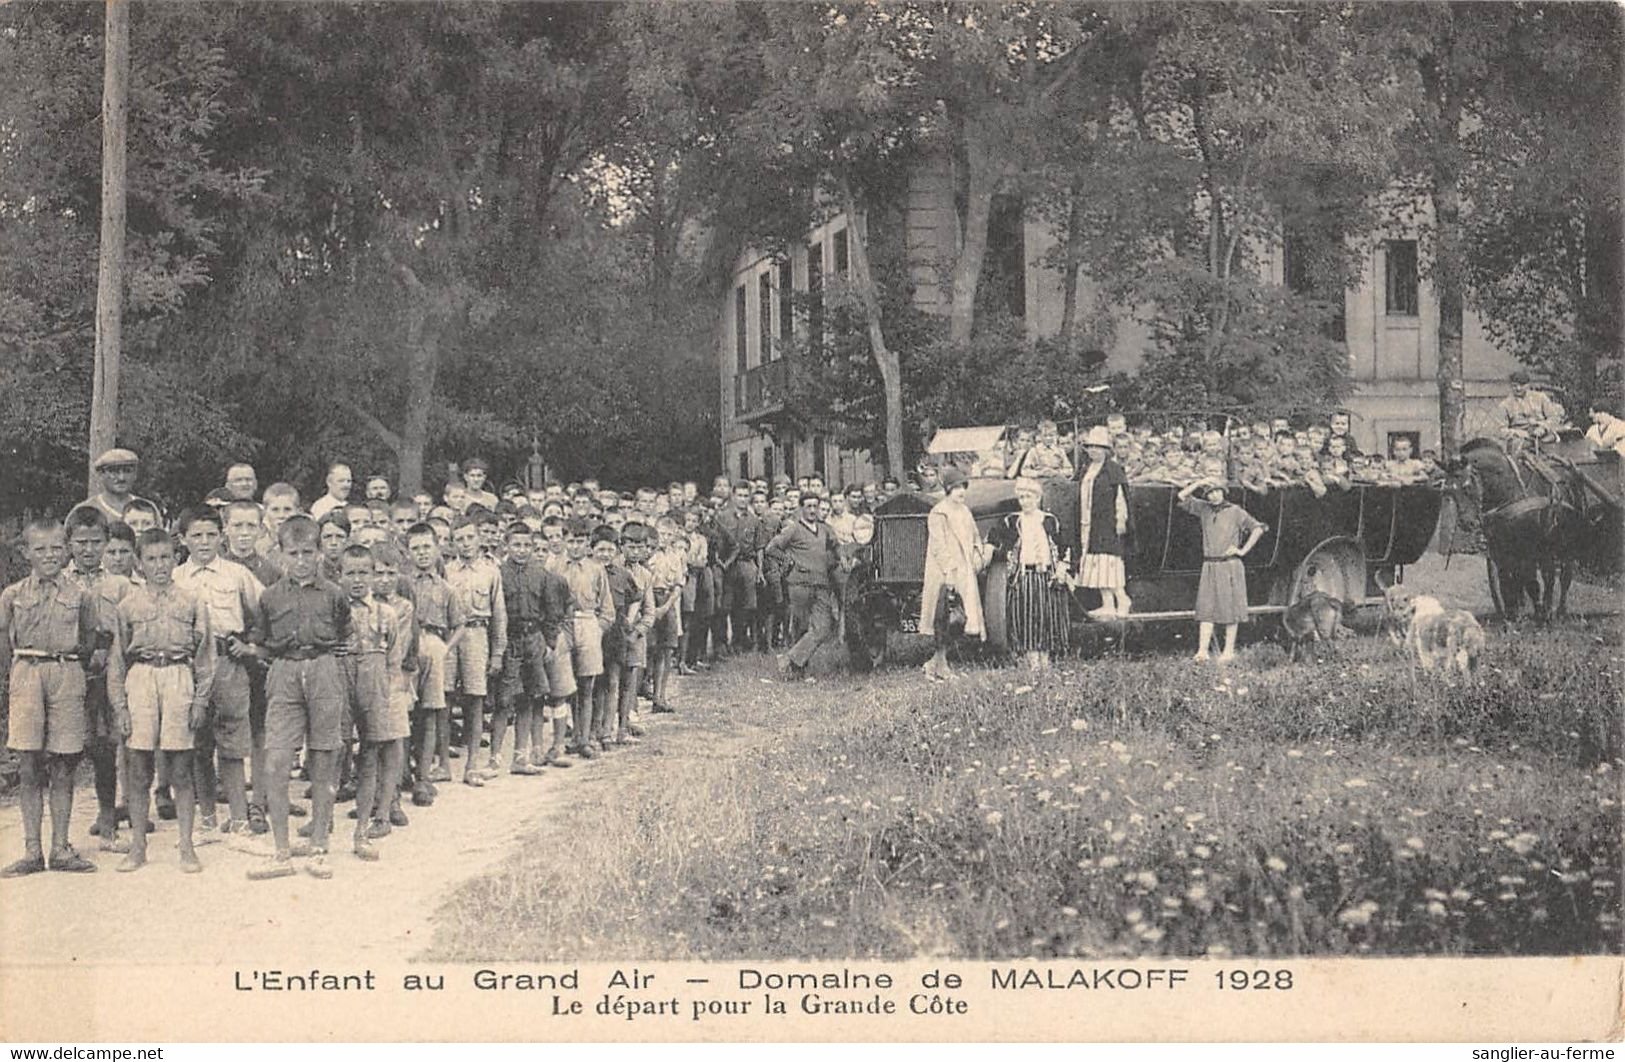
954, 553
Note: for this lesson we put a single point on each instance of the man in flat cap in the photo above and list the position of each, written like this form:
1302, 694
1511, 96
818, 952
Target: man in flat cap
117, 469
1528, 412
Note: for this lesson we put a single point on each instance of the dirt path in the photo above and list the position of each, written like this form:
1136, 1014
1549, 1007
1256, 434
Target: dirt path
378, 912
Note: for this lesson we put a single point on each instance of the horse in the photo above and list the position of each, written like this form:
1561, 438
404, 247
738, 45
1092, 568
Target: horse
1533, 526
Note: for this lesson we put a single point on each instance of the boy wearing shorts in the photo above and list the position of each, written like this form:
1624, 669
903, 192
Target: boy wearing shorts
594, 614
87, 547
302, 619
440, 616
230, 593
668, 570
158, 680
364, 662
51, 627
538, 603
478, 654
402, 662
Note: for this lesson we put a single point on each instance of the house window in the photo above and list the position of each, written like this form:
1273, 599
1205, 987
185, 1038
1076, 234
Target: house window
842, 262
740, 337
787, 287
744, 464
764, 318
818, 447
815, 297
767, 462
1402, 278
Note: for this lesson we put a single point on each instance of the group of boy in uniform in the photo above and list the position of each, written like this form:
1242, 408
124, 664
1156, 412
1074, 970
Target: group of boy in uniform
368, 643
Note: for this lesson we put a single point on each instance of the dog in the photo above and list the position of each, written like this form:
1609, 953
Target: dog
1313, 618
1434, 634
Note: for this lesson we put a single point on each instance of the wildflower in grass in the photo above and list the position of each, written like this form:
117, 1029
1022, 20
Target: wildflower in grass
1069, 912
994, 818
1146, 880
1110, 861
1436, 909
1358, 915
1276, 863
1196, 893
1202, 851
1080, 724
1151, 934
1356, 783
1523, 843
1134, 916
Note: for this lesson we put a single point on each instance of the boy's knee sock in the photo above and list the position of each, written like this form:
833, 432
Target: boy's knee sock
231, 779
135, 795
104, 765
62, 770
181, 777
366, 786
442, 736
499, 727
35, 780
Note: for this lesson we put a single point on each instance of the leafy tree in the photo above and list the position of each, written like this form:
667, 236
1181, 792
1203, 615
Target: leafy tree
181, 199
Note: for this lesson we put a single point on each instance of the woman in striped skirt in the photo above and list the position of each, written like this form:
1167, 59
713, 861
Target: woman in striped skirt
1036, 605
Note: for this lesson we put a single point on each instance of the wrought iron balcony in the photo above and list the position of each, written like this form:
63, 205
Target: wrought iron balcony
759, 391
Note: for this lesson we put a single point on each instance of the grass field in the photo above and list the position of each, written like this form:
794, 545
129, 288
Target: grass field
1129, 806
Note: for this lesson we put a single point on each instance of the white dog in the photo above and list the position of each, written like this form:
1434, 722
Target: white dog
1434, 634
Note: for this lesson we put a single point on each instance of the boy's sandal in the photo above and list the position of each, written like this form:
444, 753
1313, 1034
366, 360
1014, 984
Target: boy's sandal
68, 861
397, 817
256, 819
317, 867
297, 811
474, 780
422, 798
190, 865
24, 866
116, 845
130, 863
379, 829
365, 852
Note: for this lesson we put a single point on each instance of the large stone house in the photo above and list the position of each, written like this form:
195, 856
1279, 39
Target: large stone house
1390, 326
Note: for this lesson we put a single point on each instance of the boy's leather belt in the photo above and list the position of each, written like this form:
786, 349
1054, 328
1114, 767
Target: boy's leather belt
42, 656
162, 659
477, 621
1214, 560
523, 625
430, 628
304, 652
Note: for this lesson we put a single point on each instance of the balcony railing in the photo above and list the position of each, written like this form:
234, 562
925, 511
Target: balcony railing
760, 390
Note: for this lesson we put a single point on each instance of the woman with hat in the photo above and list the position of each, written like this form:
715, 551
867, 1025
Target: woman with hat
954, 553
1037, 604
1228, 533
1103, 526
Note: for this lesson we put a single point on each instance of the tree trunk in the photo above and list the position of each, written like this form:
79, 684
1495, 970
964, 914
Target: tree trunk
110, 267
1074, 266
886, 359
981, 181
1439, 82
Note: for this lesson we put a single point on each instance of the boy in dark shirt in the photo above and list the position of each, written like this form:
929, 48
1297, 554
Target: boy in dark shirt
302, 619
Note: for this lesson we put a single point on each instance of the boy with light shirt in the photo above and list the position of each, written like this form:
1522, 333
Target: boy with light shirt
230, 594
158, 680
281, 501
366, 660
594, 614
440, 616
243, 532
478, 654
668, 571
52, 628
